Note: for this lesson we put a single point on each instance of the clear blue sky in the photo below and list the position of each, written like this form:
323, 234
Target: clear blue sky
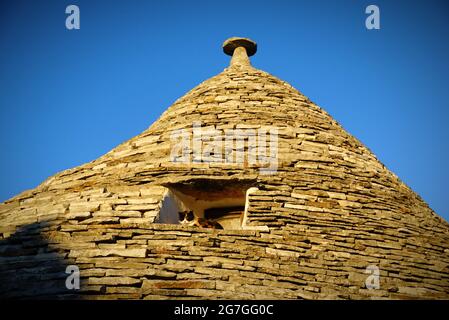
68, 97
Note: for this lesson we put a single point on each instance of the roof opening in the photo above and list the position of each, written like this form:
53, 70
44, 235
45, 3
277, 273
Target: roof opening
217, 204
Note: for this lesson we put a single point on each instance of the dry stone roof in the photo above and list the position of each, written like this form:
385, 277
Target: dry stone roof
329, 211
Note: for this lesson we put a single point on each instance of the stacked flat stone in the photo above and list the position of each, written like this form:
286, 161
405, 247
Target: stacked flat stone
332, 209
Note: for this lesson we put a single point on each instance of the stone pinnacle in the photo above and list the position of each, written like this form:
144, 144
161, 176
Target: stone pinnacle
240, 49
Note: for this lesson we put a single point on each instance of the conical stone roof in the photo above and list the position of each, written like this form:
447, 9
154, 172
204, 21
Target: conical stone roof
327, 211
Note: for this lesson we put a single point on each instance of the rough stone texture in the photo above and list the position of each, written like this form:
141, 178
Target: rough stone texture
332, 209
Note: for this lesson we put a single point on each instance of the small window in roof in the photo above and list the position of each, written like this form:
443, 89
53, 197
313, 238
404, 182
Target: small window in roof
217, 204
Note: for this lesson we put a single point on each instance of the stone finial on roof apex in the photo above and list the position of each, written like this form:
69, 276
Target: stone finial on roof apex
240, 49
